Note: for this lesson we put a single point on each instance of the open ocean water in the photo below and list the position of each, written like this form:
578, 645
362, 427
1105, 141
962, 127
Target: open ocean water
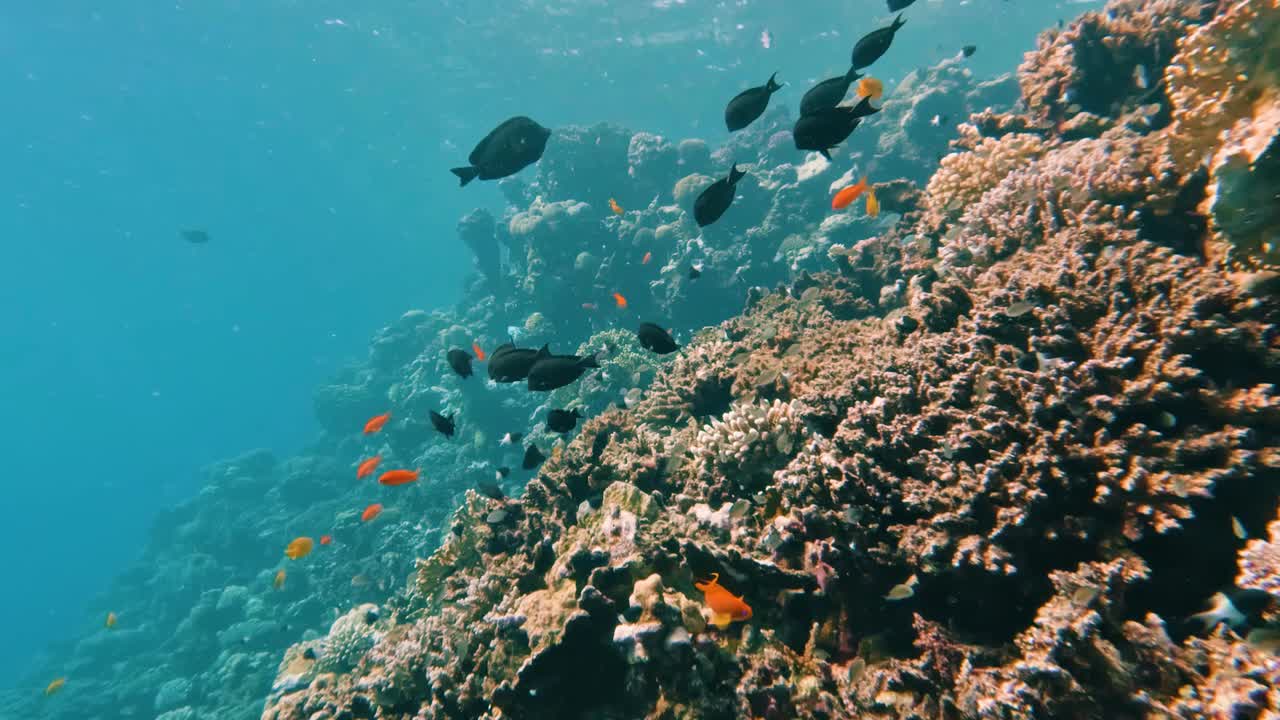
311, 141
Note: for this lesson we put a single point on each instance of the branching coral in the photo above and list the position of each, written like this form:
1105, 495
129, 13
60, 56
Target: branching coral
749, 439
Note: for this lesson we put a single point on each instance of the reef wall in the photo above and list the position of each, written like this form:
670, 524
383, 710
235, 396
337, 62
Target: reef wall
975, 458
985, 467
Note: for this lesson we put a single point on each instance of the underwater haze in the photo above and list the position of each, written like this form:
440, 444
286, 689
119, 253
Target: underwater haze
311, 142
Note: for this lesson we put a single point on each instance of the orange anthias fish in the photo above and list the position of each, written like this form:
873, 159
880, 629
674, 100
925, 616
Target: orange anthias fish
845, 197
870, 87
371, 512
326, 539
279, 581
55, 686
647, 257
375, 423
366, 467
615, 207
300, 547
621, 301
873, 204
725, 607
111, 620
475, 348
398, 477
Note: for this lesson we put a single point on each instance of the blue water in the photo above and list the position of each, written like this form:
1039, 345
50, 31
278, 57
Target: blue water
312, 141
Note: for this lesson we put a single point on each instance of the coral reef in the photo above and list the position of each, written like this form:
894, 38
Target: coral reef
977, 458
975, 473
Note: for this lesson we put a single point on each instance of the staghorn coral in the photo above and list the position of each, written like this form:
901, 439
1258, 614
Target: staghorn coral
1222, 88
962, 178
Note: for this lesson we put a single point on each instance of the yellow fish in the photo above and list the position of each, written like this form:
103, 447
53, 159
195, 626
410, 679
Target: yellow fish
873, 204
55, 686
300, 547
111, 620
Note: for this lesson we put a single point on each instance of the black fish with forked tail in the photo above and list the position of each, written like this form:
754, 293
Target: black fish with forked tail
555, 371
506, 150
749, 104
508, 363
828, 93
874, 44
443, 425
828, 128
717, 198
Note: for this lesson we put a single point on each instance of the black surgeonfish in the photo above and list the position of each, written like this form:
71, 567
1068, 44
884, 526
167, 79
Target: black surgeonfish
555, 371
896, 5
563, 421
749, 104
443, 425
509, 364
874, 44
717, 198
828, 93
656, 339
969, 50
828, 128
460, 361
506, 150
533, 457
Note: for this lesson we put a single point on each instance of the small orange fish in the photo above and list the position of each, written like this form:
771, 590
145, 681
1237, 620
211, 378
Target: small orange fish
371, 512
326, 539
279, 581
366, 467
588, 306
870, 87
55, 686
647, 257
845, 197
615, 207
398, 477
873, 204
725, 606
621, 301
375, 423
111, 620
299, 548
475, 348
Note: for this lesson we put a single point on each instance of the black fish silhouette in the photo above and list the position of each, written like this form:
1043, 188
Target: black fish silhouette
825, 129
749, 104
563, 421
555, 371
460, 361
196, 237
656, 339
443, 425
874, 44
828, 93
509, 364
896, 5
717, 198
509, 148
969, 50
533, 457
